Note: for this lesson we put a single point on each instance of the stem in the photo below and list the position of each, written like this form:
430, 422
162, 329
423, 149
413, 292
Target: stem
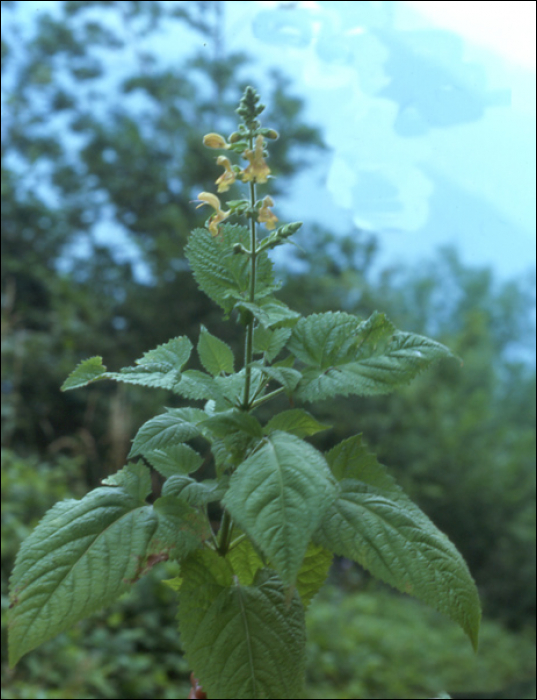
236, 542
225, 534
273, 394
226, 528
249, 351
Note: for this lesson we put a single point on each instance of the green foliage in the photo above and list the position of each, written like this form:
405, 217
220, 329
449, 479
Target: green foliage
278, 496
374, 523
372, 644
72, 546
236, 635
223, 274
285, 504
66, 295
345, 356
461, 439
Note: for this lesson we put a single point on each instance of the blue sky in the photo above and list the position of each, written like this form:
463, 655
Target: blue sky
429, 114
428, 109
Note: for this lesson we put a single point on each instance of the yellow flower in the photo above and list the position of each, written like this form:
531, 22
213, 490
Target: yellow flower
213, 140
266, 216
220, 215
227, 178
258, 170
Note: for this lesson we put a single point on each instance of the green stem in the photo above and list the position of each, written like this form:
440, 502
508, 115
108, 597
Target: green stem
225, 534
236, 542
272, 395
249, 351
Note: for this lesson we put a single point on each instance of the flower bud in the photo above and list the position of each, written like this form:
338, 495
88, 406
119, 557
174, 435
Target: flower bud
235, 136
213, 140
272, 134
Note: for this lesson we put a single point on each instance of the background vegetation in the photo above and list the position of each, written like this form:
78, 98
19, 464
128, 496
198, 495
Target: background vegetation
101, 140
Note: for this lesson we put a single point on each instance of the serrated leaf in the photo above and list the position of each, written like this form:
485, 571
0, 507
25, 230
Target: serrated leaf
278, 496
134, 478
297, 422
215, 355
373, 522
232, 388
271, 313
159, 368
197, 493
171, 428
62, 572
175, 354
235, 636
270, 343
286, 376
324, 340
346, 356
226, 422
245, 561
155, 376
90, 370
288, 361
350, 459
313, 572
181, 528
175, 459
223, 275
198, 385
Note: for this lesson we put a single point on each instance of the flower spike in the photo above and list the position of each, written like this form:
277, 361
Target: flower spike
227, 178
266, 216
219, 216
258, 170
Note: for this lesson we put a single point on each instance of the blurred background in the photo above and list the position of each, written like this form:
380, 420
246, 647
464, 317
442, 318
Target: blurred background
408, 149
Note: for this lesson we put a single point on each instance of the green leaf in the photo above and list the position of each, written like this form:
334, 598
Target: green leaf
233, 421
155, 376
313, 572
171, 428
90, 370
346, 356
181, 528
198, 385
62, 572
278, 496
241, 641
215, 355
374, 523
297, 422
158, 368
134, 478
286, 376
245, 561
324, 340
223, 275
175, 459
175, 353
270, 343
271, 313
197, 493
350, 459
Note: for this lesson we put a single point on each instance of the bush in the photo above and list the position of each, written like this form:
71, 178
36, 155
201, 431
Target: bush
376, 644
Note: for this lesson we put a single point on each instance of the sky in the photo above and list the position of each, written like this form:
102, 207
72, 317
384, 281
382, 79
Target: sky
428, 109
508, 28
429, 112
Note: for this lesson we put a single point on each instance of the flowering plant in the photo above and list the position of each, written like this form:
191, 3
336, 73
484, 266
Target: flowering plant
286, 508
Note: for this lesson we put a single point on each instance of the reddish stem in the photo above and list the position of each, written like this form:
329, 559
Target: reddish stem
196, 691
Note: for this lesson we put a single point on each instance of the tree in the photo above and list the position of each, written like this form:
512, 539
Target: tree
86, 148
